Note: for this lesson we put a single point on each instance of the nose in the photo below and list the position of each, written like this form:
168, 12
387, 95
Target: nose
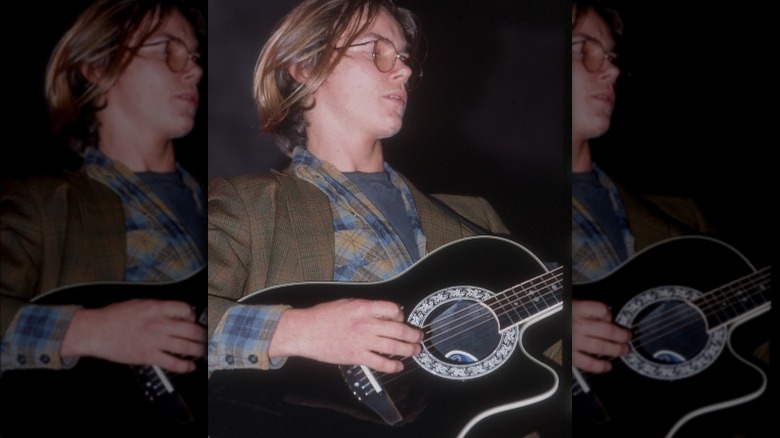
609, 71
401, 72
192, 71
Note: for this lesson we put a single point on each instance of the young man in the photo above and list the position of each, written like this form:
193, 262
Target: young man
610, 226
332, 83
121, 85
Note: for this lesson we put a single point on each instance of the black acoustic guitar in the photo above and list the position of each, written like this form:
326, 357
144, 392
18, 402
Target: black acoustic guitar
688, 302
101, 398
475, 299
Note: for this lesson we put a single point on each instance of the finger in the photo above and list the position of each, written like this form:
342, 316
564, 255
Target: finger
381, 363
183, 347
603, 330
387, 310
590, 364
187, 330
173, 363
400, 331
591, 309
600, 347
176, 310
395, 348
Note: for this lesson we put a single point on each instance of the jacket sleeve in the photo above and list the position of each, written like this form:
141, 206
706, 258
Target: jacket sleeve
239, 335
31, 335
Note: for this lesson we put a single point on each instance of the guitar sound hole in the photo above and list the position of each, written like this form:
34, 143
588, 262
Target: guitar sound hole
461, 332
669, 332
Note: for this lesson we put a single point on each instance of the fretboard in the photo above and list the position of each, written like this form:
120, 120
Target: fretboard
730, 301
528, 299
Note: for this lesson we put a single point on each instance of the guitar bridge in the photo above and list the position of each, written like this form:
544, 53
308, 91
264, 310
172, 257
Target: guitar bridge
158, 388
364, 385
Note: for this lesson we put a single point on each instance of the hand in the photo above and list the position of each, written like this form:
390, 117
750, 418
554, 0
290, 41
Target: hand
594, 336
354, 332
138, 332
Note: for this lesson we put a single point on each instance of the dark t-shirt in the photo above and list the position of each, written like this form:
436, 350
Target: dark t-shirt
387, 198
179, 198
595, 197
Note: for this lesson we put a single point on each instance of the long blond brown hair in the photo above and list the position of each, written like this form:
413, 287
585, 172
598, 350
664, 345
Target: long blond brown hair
306, 39
103, 40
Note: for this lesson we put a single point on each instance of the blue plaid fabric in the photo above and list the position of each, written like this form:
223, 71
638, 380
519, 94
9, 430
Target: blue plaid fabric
592, 254
34, 338
242, 331
159, 248
366, 248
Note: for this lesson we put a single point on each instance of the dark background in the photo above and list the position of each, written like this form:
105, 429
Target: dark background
694, 118
490, 118
30, 147
691, 118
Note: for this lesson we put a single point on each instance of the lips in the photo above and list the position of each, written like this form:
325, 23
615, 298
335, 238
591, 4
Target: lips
607, 96
190, 96
399, 96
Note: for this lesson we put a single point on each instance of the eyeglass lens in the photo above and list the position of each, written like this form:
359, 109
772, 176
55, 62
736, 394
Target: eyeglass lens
385, 55
594, 55
178, 55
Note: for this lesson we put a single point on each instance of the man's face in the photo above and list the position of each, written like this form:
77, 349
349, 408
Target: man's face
357, 98
149, 96
593, 92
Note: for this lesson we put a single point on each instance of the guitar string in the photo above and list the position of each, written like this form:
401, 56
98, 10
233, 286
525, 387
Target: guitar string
485, 317
658, 319
552, 278
675, 319
759, 279
552, 282
759, 285
678, 325
681, 315
409, 362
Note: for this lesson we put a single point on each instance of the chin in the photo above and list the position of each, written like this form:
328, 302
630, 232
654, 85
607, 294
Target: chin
183, 129
391, 133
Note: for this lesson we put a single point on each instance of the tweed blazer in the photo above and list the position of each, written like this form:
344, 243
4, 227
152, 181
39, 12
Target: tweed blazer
651, 219
661, 217
267, 230
56, 231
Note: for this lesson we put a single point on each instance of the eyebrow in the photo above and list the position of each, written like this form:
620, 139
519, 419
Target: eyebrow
166, 36
403, 51
587, 36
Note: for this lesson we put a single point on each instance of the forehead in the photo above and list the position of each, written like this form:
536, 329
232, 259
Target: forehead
386, 26
176, 26
591, 25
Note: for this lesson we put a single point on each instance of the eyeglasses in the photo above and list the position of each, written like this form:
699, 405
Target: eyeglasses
177, 54
593, 54
385, 55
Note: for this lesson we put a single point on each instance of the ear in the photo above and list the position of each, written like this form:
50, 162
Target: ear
92, 73
300, 73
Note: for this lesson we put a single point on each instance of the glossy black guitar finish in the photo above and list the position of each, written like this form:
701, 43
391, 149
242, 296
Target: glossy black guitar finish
686, 302
101, 398
474, 298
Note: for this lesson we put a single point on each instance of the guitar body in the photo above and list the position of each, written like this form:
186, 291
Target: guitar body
678, 371
101, 398
307, 398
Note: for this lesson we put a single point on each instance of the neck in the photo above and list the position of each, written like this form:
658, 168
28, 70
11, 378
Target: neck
581, 161
137, 153
345, 153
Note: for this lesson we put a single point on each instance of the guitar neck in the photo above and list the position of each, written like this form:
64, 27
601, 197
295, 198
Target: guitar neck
529, 299
731, 301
